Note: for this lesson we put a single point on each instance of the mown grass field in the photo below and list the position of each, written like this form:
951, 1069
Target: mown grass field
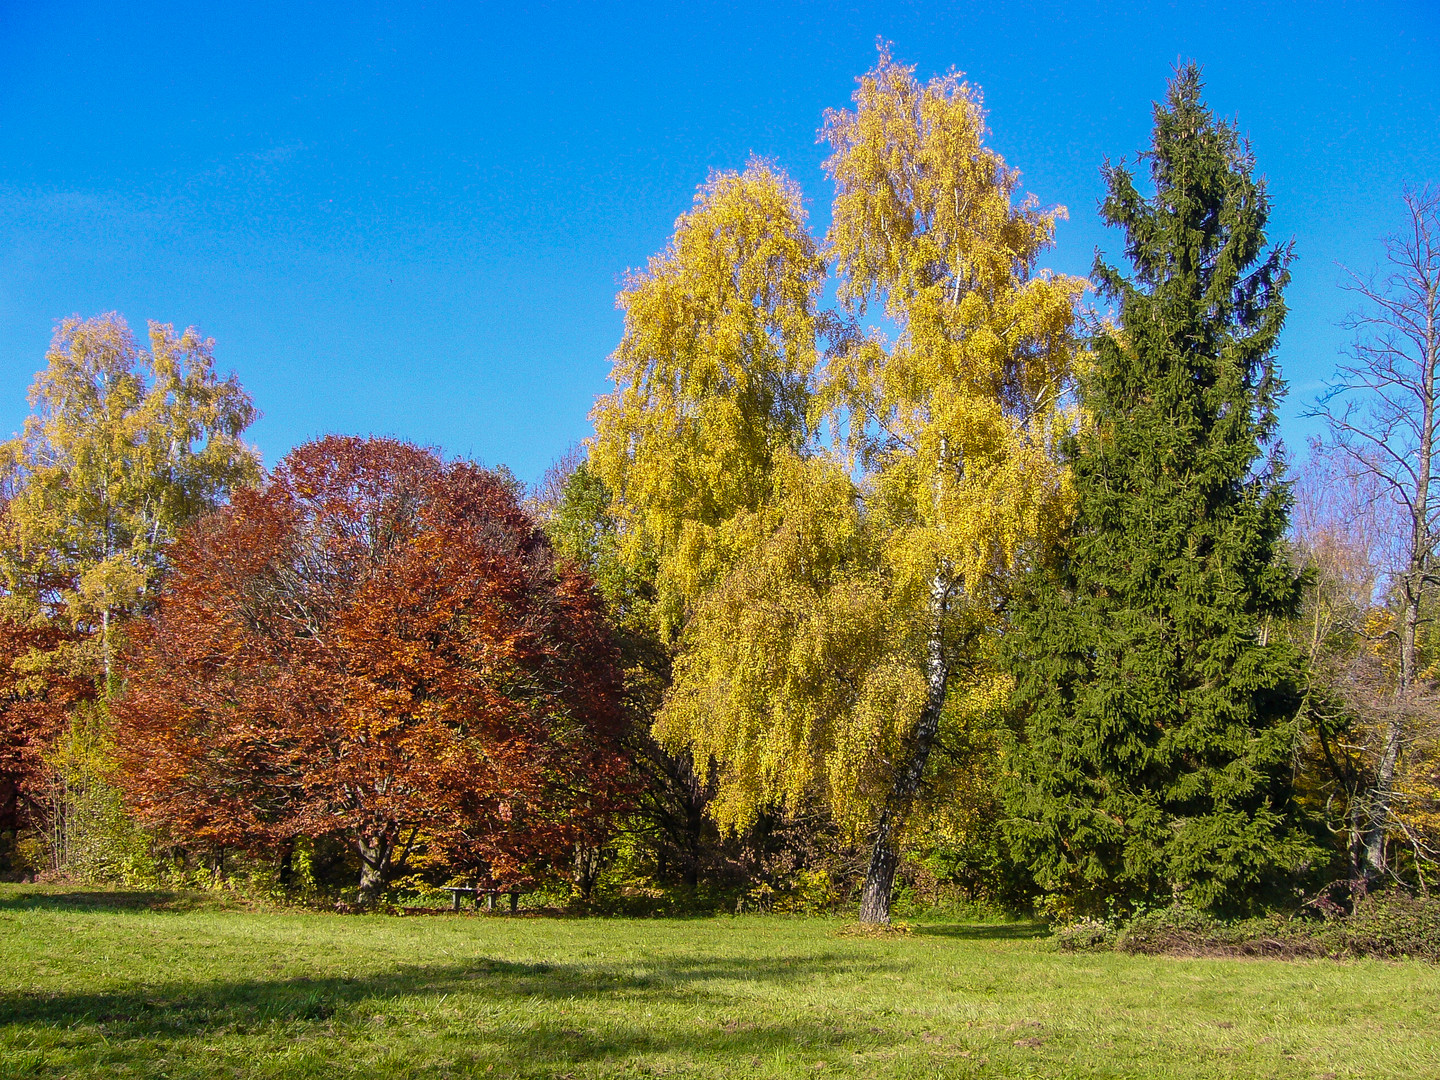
135, 985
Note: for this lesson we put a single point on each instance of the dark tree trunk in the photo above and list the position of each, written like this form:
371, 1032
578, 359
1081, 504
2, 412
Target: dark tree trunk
375, 855
694, 824
587, 867
880, 878
9, 804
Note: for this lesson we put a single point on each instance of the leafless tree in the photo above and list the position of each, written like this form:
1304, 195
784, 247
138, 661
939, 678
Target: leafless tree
1381, 415
545, 497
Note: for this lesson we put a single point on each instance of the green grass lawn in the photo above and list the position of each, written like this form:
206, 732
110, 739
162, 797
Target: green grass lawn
117, 985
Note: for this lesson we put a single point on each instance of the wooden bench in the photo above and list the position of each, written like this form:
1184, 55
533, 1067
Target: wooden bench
457, 891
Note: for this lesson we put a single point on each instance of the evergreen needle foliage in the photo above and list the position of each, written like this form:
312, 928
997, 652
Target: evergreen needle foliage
1159, 716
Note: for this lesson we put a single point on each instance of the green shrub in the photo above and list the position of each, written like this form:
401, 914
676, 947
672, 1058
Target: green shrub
1390, 925
1085, 933
1394, 924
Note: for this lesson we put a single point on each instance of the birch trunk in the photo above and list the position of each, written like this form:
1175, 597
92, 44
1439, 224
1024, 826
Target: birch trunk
885, 854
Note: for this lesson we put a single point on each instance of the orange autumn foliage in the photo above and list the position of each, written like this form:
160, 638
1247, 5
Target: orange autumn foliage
38, 694
377, 644
45, 672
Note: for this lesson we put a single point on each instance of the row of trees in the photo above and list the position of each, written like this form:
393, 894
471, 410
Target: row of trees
954, 573
369, 643
958, 564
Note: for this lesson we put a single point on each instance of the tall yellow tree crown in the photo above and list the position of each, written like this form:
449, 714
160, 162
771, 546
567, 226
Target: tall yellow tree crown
955, 421
834, 585
713, 376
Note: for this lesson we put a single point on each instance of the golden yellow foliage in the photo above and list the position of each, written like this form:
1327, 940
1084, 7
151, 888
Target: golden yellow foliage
793, 673
956, 421
802, 669
712, 377
836, 537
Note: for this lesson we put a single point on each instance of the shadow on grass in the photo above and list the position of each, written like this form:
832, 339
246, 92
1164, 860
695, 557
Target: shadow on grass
1013, 931
337, 1009
114, 900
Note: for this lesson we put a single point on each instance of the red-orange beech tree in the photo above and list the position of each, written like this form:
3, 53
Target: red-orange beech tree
37, 698
377, 644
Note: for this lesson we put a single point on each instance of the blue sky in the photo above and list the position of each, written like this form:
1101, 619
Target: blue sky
412, 219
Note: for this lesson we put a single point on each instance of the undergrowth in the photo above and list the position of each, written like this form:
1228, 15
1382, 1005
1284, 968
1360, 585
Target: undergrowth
1392, 925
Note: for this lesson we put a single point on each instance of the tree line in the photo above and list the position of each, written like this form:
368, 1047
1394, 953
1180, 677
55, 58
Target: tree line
959, 582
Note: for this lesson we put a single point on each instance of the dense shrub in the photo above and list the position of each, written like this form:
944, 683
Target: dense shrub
1085, 933
1391, 925
1394, 924
1182, 930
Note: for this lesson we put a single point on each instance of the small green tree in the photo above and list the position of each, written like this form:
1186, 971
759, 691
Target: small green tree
1159, 714
669, 816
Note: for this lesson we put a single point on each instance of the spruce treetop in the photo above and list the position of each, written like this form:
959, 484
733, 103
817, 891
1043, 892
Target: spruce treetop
1197, 299
1159, 716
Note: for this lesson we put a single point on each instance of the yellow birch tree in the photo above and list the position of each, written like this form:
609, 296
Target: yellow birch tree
713, 379
854, 621
124, 445
841, 553
953, 423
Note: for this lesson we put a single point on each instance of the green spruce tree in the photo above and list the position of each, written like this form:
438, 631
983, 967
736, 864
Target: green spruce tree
1159, 711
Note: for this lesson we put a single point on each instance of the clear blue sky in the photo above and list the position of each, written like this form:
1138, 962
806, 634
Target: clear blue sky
411, 219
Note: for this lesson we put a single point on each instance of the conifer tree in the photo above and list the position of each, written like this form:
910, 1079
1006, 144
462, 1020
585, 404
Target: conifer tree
1159, 714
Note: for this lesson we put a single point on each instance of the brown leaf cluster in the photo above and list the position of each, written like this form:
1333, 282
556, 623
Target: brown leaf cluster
38, 693
378, 644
